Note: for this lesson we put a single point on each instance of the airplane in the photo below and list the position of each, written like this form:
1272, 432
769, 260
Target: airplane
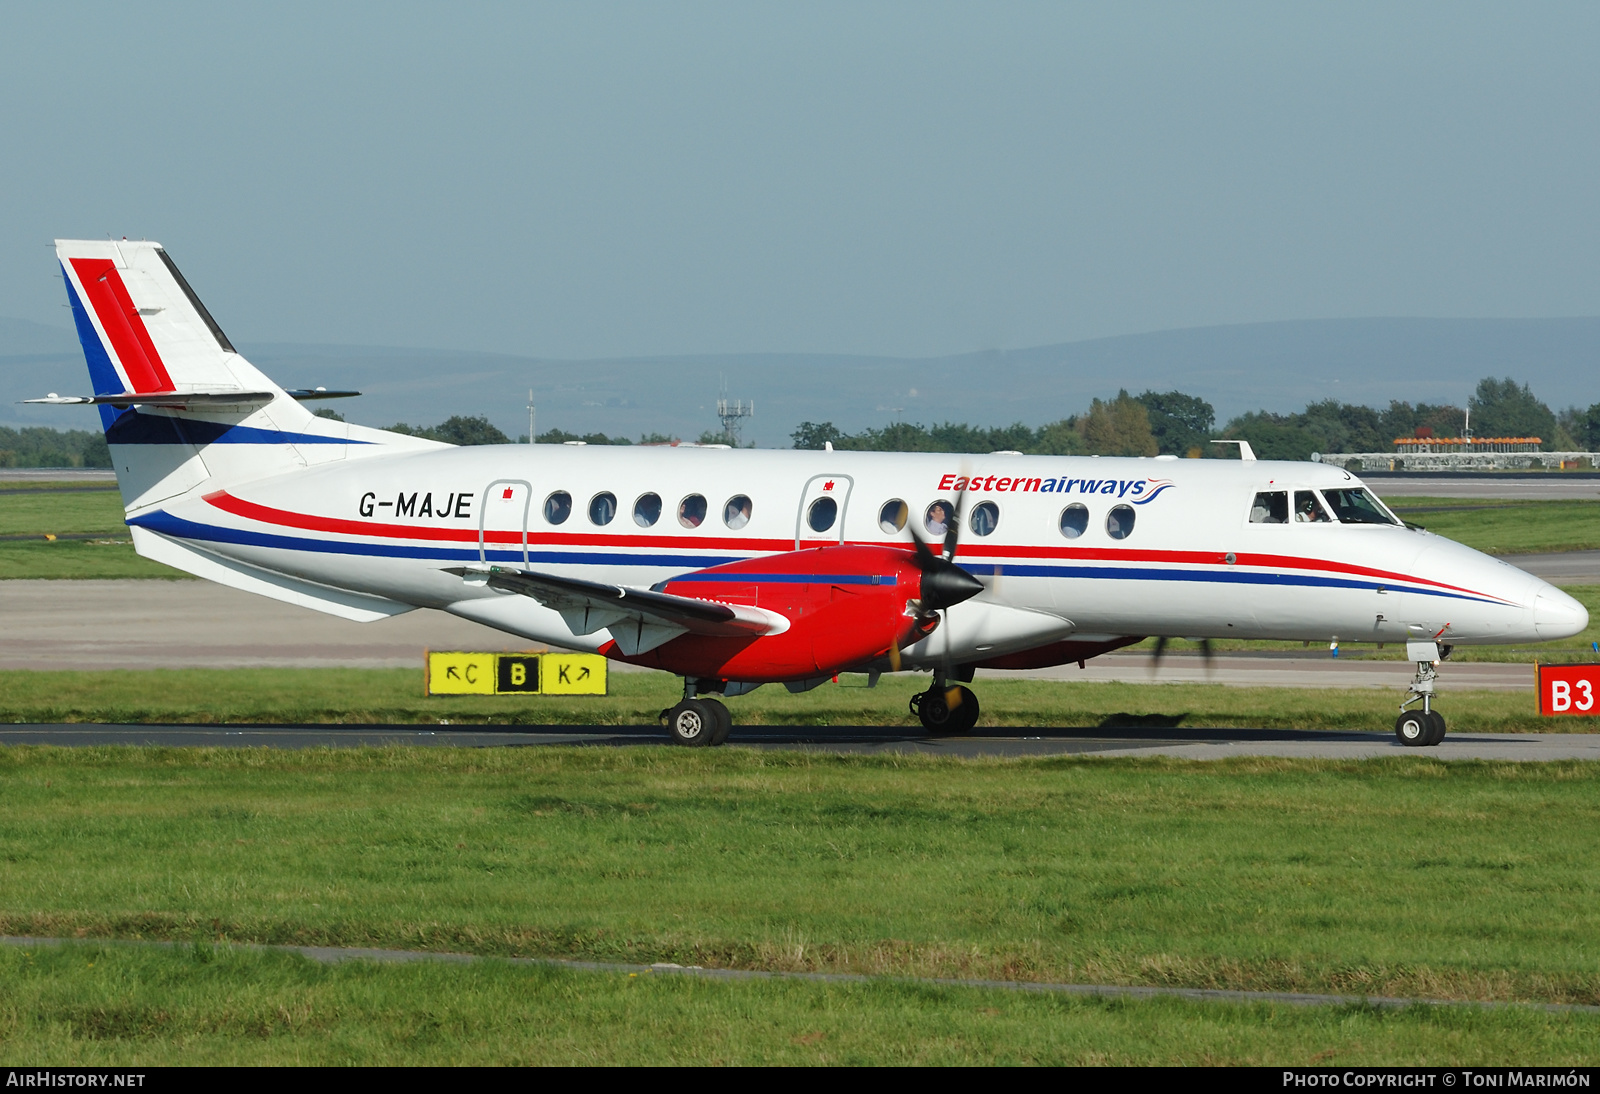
736, 568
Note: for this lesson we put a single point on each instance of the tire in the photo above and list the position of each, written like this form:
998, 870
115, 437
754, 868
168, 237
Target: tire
692, 723
948, 710
932, 711
724, 721
963, 711
1437, 721
1413, 728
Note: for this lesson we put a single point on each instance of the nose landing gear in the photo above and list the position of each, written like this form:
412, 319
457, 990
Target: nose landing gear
1420, 728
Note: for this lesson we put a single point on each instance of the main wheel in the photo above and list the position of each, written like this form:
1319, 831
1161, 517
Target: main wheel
1413, 728
963, 706
724, 720
692, 722
1436, 720
947, 710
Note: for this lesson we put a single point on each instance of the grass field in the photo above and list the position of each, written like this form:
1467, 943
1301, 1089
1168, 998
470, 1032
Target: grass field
96, 1005
36, 509
1500, 527
1403, 877
394, 696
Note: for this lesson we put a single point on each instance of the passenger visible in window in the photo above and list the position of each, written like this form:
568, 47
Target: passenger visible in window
1270, 507
558, 507
892, 517
985, 518
647, 510
1308, 510
1119, 522
691, 511
938, 519
736, 514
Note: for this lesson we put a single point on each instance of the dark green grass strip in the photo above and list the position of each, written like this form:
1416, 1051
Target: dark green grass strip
92, 1004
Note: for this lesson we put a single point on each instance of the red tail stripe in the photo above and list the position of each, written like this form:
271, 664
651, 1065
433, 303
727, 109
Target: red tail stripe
112, 305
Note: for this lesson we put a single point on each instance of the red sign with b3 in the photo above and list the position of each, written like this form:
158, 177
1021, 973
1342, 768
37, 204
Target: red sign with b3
1569, 689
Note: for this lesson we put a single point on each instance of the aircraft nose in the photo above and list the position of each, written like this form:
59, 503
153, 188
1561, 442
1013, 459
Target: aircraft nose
1557, 615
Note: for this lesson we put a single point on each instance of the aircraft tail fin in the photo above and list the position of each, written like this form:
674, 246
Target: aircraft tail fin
180, 406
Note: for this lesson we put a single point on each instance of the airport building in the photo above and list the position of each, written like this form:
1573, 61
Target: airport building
1430, 453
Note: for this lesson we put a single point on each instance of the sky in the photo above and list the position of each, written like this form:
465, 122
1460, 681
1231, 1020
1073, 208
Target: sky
590, 180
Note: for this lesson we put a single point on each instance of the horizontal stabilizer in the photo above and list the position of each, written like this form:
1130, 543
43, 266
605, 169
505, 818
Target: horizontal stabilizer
638, 619
173, 400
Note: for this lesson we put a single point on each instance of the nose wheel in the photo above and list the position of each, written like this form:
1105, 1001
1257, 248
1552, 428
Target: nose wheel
1420, 728
946, 710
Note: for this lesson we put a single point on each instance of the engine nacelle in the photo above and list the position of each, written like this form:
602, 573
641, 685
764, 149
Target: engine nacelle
846, 606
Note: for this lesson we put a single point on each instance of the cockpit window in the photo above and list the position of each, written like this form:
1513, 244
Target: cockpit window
1308, 510
1270, 507
1357, 507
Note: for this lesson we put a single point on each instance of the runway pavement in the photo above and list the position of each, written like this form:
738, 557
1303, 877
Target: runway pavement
1528, 486
1192, 744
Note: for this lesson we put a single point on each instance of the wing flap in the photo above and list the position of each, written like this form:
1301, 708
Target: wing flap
638, 619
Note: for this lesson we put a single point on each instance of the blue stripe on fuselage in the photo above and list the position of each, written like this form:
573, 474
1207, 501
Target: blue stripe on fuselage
168, 524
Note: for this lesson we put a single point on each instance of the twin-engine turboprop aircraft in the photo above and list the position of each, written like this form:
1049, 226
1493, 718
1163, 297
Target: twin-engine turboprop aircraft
737, 568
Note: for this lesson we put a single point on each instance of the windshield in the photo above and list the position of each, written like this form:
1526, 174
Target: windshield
1357, 507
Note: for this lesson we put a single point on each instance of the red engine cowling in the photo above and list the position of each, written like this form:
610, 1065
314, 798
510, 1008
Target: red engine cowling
846, 605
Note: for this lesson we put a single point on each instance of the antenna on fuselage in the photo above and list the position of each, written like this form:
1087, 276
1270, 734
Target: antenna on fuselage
531, 433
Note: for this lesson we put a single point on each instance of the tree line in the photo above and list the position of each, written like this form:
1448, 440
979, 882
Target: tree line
1148, 424
1174, 423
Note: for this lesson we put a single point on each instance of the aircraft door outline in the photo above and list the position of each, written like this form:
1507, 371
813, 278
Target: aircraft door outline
819, 488
501, 513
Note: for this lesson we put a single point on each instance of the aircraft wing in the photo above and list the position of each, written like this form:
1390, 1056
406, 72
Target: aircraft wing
638, 619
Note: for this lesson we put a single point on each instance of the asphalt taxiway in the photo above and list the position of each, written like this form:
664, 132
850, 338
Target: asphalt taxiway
1192, 744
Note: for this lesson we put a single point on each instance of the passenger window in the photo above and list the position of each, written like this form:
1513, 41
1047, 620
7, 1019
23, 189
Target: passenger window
1308, 510
822, 514
985, 518
892, 517
602, 508
692, 511
558, 507
1271, 507
1119, 522
647, 510
937, 519
736, 514
1074, 521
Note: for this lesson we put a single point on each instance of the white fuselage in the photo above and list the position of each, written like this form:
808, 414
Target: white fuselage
382, 531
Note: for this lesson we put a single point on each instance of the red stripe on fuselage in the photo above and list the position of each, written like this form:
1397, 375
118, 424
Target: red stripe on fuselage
112, 305
286, 519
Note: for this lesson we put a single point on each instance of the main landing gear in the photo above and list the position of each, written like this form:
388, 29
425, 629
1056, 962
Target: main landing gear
945, 708
1425, 727
697, 721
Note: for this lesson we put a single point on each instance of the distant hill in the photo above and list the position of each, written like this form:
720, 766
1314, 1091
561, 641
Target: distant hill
1275, 366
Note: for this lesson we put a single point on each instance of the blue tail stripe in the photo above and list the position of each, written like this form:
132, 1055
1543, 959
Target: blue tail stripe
102, 373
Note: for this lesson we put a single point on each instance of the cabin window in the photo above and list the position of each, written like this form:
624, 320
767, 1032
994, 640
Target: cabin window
1270, 507
937, 518
558, 507
647, 510
985, 518
822, 514
602, 508
1119, 522
892, 517
1074, 521
692, 511
1357, 507
736, 514
1308, 510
